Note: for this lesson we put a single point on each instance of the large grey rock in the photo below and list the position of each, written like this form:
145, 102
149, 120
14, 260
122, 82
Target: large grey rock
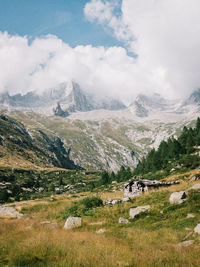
11, 212
197, 229
122, 220
135, 211
195, 187
72, 222
177, 197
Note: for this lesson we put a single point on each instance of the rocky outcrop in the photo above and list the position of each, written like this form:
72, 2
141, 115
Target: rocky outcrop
11, 213
123, 221
72, 222
140, 209
177, 197
59, 112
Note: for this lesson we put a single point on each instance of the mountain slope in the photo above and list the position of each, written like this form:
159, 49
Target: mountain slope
19, 147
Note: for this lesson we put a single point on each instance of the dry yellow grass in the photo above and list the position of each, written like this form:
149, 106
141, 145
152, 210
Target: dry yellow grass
26, 242
41, 246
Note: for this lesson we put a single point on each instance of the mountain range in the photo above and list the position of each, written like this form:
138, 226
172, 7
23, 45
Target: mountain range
67, 98
102, 133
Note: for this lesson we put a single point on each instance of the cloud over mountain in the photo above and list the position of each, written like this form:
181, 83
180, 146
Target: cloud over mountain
165, 36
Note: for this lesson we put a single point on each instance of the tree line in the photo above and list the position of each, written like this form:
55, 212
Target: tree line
174, 149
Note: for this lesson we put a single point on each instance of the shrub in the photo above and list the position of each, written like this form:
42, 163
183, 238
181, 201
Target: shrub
83, 207
91, 202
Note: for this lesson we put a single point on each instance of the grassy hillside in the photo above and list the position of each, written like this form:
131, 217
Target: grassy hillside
151, 239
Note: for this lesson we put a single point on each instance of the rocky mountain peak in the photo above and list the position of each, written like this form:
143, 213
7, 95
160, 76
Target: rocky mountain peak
194, 97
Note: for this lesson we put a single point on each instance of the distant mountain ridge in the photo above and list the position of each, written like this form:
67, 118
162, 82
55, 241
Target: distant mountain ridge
65, 98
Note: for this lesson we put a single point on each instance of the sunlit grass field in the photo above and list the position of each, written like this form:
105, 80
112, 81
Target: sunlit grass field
151, 239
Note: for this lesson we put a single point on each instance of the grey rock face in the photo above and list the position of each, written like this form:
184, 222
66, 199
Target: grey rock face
122, 220
197, 229
135, 211
59, 112
177, 197
72, 222
195, 187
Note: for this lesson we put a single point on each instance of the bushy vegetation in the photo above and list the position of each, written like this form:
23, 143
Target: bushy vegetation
23, 184
82, 207
122, 175
180, 150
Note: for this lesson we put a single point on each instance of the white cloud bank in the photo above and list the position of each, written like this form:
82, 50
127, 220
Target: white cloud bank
165, 34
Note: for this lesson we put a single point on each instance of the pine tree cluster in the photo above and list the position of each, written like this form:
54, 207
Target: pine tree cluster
179, 150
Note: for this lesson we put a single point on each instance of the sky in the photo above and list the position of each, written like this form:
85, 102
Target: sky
117, 48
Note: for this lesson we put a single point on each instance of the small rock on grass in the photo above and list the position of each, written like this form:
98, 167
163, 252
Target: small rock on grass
185, 243
101, 231
190, 215
122, 220
177, 197
72, 222
135, 211
197, 229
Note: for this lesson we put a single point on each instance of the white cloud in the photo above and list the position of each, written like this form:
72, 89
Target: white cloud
106, 13
45, 62
165, 34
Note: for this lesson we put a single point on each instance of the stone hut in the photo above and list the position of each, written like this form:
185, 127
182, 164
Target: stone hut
136, 187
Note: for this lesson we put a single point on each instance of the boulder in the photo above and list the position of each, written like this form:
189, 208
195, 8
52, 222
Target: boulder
197, 229
195, 187
122, 220
135, 211
177, 197
190, 215
72, 222
11, 212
